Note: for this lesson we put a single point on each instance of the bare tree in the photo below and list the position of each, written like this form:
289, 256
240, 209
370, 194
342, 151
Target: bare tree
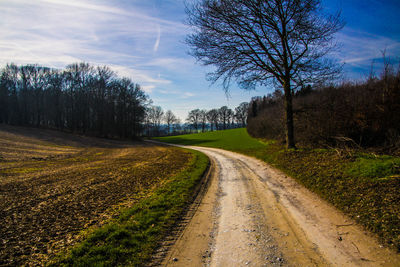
241, 112
155, 115
230, 118
225, 114
212, 117
169, 119
176, 126
203, 119
194, 118
262, 41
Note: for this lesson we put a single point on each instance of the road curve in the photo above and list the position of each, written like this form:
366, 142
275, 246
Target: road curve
254, 215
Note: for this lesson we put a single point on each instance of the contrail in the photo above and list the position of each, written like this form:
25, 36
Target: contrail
157, 43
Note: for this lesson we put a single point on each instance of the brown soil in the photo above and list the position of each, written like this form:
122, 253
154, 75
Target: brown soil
54, 185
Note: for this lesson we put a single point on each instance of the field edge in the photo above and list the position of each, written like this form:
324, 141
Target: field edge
134, 236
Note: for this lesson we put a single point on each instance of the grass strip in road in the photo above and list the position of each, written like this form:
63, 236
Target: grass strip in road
131, 239
365, 186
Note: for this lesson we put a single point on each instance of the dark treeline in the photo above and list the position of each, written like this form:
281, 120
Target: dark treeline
81, 99
365, 114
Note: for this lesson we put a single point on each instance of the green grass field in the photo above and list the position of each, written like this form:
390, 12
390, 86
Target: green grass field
234, 140
365, 186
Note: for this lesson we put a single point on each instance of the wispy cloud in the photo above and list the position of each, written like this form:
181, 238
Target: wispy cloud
56, 33
85, 5
172, 63
148, 88
186, 95
359, 48
139, 76
157, 43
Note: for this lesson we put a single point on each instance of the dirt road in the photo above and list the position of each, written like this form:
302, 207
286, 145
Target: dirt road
253, 215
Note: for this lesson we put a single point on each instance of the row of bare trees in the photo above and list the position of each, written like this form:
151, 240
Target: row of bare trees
363, 114
92, 100
159, 123
218, 119
80, 98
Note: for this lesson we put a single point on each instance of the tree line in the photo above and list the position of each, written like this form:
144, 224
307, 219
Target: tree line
218, 119
157, 122
80, 98
362, 114
93, 100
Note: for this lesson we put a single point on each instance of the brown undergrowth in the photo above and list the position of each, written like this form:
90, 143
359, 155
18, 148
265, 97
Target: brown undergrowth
54, 185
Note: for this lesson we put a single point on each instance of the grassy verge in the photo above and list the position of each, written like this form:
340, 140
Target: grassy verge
131, 239
365, 186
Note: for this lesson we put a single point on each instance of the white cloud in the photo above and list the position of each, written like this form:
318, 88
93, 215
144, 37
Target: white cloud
187, 95
85, 5
138, 76
83, 30
359, 49
148, 88
124, 35
168, 92
172, 63
56, 33
157, 43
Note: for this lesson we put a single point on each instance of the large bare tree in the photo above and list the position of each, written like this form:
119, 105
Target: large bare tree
256, 42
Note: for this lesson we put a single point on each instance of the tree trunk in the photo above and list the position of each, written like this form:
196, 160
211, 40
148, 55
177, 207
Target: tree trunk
289, 115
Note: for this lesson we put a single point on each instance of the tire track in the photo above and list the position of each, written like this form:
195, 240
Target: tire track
261, 217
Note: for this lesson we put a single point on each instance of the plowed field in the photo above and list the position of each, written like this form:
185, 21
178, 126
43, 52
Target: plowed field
54, 185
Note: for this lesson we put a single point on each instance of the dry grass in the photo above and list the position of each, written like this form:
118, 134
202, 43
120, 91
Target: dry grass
54, 185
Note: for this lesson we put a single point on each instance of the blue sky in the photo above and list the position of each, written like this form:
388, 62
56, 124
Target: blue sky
144, 40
